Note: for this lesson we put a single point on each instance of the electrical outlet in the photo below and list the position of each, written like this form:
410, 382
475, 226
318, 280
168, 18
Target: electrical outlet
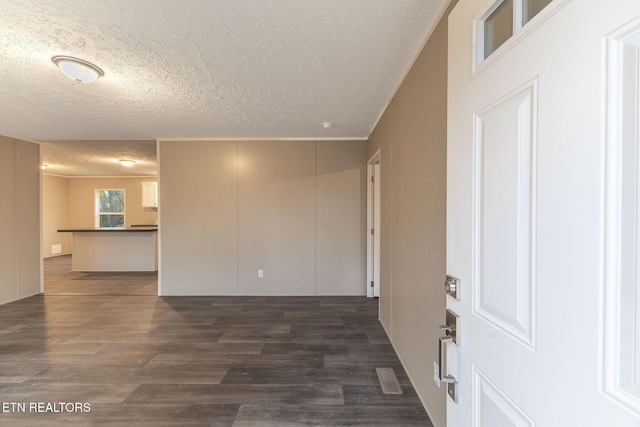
436, 374
260, 274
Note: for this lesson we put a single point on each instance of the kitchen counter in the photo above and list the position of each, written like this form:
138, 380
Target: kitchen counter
108, 229
114, 249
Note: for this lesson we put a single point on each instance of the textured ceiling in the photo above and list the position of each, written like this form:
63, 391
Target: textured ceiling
206, 68
99, 158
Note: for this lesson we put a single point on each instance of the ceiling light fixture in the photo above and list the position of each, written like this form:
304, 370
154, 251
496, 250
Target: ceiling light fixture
77, 69
127, 163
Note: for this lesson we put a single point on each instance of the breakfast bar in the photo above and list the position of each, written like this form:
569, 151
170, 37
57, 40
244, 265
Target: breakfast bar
114, 249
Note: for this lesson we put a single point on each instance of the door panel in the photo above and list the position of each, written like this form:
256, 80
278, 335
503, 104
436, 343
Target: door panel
622, 288
493, 408
532, 235
503, 213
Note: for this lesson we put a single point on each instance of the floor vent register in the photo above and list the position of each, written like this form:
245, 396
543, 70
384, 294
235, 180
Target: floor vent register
388, 381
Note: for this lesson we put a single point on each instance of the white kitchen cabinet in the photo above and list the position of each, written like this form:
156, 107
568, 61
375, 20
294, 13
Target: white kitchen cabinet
149, 194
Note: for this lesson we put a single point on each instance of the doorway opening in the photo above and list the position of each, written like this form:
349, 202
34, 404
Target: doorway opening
91, 189
373, 226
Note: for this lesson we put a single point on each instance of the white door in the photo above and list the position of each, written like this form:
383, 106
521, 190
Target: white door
549, 333
373, 224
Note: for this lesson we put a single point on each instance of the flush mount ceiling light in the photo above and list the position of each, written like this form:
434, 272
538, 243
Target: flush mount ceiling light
77, 69
127, 163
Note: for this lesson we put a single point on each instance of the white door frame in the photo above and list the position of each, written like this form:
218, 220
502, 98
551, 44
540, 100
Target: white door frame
373, 223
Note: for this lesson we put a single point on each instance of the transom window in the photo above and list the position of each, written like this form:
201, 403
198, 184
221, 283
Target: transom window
109, 208
502, 20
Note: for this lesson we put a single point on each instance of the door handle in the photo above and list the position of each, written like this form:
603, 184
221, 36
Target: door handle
442, 351
452, 383
450, 329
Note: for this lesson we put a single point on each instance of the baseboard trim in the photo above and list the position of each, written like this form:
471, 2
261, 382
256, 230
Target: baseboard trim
19, 298
422, 401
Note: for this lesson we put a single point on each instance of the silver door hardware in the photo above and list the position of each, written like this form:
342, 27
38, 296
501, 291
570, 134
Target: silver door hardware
449, 380
451, 286
452, 326
451, 330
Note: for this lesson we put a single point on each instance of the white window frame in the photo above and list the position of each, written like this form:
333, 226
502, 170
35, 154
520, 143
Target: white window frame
520, 30
98, 214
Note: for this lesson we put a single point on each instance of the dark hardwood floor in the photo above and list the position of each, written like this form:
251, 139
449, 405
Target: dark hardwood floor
142, 360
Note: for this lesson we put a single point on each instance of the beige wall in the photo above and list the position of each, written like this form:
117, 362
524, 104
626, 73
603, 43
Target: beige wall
19, 219
341, 216
199, 218
277, 217
294, 209
82, 200
411, 137
55, 214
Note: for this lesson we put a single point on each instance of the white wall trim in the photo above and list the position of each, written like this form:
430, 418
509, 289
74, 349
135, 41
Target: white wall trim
159, 219
304, 138
370, 277
40, 221
99, 176
16, 236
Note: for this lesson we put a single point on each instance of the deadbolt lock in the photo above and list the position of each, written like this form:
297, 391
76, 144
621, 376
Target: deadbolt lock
451, 286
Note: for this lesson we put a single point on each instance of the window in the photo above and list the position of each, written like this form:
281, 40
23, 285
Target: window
503, 20
531, 8
498, 27
109, 208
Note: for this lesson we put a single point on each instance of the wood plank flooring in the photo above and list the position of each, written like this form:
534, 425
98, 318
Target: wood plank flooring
201, 361
60, 280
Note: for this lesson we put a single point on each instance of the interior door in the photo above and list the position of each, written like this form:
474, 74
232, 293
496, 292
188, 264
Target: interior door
531, 189
373, 226
377, 229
